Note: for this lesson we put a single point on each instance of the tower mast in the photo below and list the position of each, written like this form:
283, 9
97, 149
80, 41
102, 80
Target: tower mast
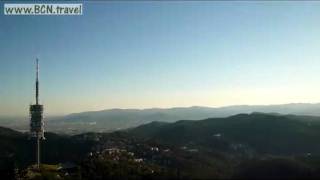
36, 115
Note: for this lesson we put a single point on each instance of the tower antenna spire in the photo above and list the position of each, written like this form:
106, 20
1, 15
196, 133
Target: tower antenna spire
37, 81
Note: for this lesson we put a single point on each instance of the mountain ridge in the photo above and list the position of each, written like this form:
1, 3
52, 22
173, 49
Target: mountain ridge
117, 119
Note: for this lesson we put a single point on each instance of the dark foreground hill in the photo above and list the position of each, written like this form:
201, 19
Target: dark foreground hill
20, 148
261, 133
242, 146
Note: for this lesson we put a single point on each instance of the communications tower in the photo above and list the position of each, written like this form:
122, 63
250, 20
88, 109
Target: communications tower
36, 118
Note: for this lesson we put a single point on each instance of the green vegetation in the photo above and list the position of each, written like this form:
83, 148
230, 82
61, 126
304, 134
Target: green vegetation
45, 172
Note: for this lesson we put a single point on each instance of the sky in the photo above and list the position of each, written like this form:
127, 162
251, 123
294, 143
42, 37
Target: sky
161, 54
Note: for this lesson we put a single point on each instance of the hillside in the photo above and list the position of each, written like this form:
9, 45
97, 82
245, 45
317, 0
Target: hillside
18, 148
239, 146
263, 133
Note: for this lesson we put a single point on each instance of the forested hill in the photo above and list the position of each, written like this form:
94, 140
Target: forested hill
263, 133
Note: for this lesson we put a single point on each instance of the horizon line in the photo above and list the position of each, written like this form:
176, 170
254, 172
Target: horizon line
165, 108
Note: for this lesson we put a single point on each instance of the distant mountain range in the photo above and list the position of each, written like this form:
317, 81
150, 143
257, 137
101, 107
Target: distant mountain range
116, 119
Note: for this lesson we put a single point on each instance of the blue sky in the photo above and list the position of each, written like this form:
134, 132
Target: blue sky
162, 54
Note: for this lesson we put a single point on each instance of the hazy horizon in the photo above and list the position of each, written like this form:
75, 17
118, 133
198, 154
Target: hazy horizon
164, 108
161, 54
